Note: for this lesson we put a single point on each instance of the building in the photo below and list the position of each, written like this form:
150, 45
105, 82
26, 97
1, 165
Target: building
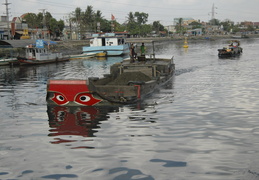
3, 27
185, 21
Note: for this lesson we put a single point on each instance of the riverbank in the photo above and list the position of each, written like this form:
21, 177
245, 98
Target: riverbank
69, 47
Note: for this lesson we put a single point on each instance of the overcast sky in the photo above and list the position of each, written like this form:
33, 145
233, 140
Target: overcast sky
158, 10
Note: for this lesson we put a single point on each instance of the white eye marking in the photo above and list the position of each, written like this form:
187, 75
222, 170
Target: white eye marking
84, 98
60, 98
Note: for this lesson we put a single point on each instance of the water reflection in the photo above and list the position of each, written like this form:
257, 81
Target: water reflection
76, 121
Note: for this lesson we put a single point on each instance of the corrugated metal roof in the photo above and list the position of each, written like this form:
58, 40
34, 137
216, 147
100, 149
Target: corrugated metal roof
16, 43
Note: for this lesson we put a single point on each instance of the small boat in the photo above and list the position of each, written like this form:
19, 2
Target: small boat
39, 54
127, 83
232, 50
82, 56
240, 36
8, 60
101, 54
109, 43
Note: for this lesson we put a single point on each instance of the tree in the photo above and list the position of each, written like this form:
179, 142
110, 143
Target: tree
135, 23
131, 24
47, 19
56, 27
131, 18
38, 21
195, 25
89, 19
250, 28
178, 27
31, 20
77, 18
141, 17
227, 25
214, 22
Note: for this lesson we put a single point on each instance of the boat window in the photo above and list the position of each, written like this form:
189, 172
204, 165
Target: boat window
103, 41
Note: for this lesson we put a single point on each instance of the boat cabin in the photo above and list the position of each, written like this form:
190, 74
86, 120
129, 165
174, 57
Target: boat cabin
108, 40
34, 53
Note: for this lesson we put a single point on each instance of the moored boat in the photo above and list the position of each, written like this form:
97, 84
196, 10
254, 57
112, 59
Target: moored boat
232, 50
40, 54
127, 83
109, 43
8, 60
82, 56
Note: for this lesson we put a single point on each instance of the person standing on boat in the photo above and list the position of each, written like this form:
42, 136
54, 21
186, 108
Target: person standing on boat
132, 53
143, 49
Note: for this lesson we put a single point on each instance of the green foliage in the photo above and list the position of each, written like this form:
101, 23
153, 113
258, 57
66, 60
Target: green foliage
157, 26
38, 21
142, 18
179, 28
31, 20
195, 25
214, 22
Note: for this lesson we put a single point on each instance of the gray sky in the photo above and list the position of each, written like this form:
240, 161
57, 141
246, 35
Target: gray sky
158, 10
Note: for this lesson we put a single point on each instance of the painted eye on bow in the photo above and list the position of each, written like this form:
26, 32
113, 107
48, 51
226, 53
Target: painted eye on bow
86, 99
59, 99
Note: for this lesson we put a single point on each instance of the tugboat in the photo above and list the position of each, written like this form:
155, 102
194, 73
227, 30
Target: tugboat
232, 50
127, 83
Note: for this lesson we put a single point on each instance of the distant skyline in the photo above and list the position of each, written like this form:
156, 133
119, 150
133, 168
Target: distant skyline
158, 10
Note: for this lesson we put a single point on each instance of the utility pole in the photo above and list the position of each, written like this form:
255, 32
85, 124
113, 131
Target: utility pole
7, 18
44, 21
213, 14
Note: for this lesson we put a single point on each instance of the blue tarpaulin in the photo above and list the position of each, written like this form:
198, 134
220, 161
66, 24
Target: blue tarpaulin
40, 43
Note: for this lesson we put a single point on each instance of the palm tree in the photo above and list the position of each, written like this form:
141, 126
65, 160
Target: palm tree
89, 18
77, 18
98, 19
180, 25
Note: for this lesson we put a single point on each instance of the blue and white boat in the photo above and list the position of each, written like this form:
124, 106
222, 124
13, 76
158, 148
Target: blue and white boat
109, 43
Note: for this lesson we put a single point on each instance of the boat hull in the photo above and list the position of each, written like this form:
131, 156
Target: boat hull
226, 53
82, 56
109, 50
8, 61
25, 61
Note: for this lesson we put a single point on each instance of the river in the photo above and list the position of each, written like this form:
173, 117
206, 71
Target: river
202, 126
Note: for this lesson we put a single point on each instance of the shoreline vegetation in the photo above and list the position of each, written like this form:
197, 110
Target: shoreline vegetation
71, 47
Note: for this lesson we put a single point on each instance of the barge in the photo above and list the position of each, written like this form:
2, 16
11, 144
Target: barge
127, 83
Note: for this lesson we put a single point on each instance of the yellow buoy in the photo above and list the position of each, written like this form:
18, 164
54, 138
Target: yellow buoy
185, 43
